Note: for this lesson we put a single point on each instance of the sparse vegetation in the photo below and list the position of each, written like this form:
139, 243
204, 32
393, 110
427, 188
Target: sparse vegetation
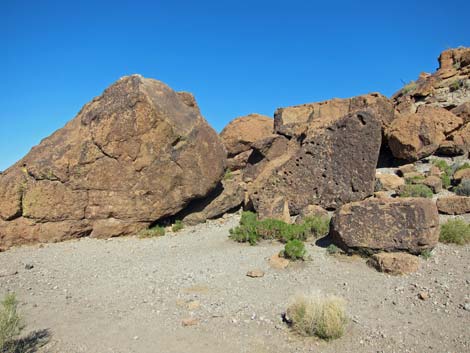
418, 179
455, 85
463, 189
410, 87
426, 254
177, 226
156, 231
252, 230
228, 175
455, 231
324, 317
10, 323
461, 167
416, 190
446, 170
294, 250
332, 249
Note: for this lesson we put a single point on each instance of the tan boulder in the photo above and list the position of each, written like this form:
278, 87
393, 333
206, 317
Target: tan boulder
396, 263
462, 174
293, 121
390, 182
135, 154
417, 135
240, 133
454, 205
406, 168
372, 225
434, 182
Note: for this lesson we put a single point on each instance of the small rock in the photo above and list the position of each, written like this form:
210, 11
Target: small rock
423, 295
255, 273
278, 262
466, 306
190, 321
28, 266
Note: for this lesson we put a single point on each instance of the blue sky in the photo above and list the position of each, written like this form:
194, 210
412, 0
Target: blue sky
237, 57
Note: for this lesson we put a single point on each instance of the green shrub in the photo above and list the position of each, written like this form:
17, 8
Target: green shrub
228, 175
251, 230
324, 317
156, 231
294, 250
455, 231
332, 249
445, 181
409, 87
416, 190
426, 254
463, 189
319, 226
418, 179
10, 323
177, 226
443, 166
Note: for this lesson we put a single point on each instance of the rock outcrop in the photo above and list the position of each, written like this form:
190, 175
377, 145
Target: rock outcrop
413, 136
373, 225
137, 153
332, 163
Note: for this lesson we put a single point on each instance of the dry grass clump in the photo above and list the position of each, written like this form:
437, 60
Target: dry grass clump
10, 323
314, 315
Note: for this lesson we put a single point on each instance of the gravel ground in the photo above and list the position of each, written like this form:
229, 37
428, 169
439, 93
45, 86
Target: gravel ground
132, 295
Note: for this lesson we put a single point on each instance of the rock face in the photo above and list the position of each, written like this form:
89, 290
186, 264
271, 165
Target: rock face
447, 88
406, 224
413, 136
453, 205
394, 263
137, 153
332, 164
294, 121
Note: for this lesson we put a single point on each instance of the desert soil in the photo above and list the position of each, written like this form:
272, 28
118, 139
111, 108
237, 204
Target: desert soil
132, 295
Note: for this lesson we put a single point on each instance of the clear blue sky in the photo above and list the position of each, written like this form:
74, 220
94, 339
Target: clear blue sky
237, 57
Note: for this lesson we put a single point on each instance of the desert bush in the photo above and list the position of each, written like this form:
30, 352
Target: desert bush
447, 172
426, 254
460, 167
332, 249
455, 231
416, 190
411, 86
418, 179
324, 317
10, 323
177, 226
228, 175
446, 181
463, 189
156, 231
294, 250
252, 230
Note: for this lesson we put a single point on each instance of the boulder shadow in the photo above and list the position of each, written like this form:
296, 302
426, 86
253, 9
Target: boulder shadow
324, 242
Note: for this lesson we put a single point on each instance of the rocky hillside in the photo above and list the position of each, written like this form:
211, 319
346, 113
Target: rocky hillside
141, 154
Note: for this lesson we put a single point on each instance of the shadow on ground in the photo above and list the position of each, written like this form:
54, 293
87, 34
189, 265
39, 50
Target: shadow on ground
30, 343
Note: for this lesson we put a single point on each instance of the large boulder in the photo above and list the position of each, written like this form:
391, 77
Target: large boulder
135, 154
416, 135
447, 88
453, 205
332, 164
373, 225
293, 121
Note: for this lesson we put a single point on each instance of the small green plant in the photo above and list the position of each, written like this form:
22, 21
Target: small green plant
442, 165
416, 190
246, 231
455, 85
318, 225
426, 254
11, 323
418, 179
228, 175
294, 250
332, 249
177, 226
156, 231
410, 87
455, 231
446, 181
324, 317
462, 166
463, 189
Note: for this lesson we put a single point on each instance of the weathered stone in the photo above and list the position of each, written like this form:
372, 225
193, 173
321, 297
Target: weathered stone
463, 111
434, 182
239, 161
414, 177
462, 174
240, 133
333, 164
417, 135
228, 196
406, 168
255, 273
453, 204
278, 262
457, 143
137, 153
294, 121
397, 263
406, 224
390, 182
311, 211
434, 171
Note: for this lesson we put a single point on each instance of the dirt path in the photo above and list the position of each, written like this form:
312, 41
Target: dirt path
131, 295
